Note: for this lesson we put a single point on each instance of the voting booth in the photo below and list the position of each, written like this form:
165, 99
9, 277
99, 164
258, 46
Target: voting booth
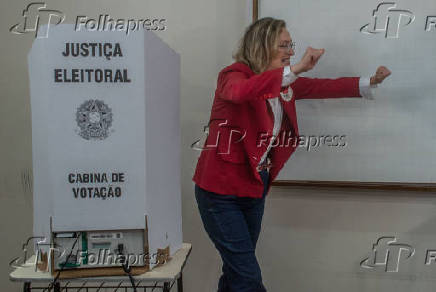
106, 150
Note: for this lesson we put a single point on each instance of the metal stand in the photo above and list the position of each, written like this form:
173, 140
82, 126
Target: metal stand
59, 286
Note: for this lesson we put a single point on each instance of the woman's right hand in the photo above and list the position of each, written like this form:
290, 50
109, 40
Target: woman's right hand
309, 60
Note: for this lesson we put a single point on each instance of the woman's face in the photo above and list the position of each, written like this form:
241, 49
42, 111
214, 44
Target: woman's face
284, 52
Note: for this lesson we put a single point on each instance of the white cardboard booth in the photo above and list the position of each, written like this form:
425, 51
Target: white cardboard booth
106, 148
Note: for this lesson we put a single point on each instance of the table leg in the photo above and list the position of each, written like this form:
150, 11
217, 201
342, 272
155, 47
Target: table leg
180, 283
166, 287
26, 287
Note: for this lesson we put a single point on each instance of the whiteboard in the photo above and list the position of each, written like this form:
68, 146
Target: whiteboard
389, 139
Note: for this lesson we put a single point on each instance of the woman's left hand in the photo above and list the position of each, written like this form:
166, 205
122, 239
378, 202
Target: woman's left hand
380, 75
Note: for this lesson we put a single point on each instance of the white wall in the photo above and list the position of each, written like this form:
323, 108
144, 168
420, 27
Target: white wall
312, 239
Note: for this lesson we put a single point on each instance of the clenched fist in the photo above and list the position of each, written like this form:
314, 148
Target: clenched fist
309, 60
380, 75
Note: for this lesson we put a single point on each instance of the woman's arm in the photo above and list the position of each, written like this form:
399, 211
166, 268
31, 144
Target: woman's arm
237, 87
304, 88
341, 87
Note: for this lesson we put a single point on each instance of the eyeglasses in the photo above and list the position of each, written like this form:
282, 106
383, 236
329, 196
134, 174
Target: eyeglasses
287, 47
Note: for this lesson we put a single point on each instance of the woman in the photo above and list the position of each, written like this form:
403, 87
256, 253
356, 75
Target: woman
254, 103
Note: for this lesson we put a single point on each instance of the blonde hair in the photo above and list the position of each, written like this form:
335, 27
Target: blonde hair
260, 43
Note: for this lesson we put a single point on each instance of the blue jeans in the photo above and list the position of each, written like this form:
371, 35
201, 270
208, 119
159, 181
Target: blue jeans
233, 224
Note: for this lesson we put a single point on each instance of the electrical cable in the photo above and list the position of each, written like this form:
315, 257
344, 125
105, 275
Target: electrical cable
55, 279
127, 268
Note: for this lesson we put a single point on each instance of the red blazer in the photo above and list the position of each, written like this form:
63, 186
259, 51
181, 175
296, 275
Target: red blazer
241, 121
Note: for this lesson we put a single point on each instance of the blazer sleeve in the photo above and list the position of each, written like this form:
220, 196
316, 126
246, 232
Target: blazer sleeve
238, 87
304, 87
